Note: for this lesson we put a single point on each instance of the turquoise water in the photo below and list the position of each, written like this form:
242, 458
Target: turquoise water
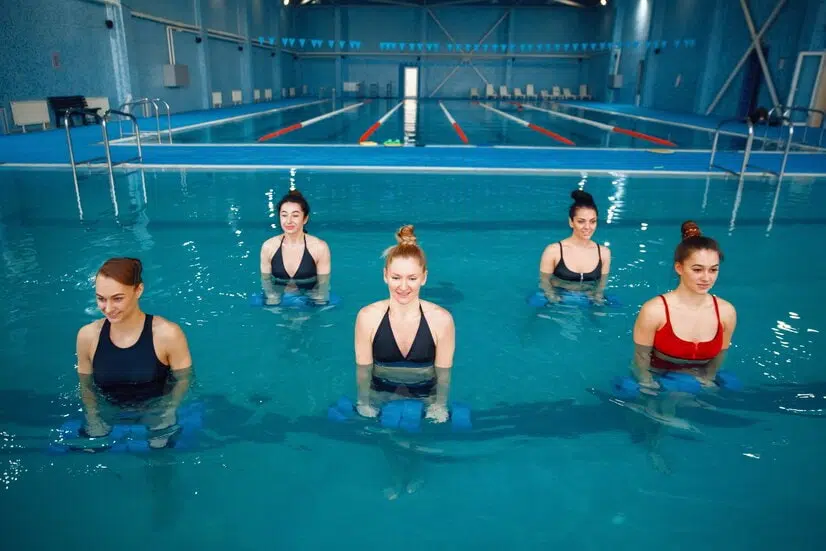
550, 464
424, 123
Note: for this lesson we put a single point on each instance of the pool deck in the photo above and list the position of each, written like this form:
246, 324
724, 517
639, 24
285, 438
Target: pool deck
48, 149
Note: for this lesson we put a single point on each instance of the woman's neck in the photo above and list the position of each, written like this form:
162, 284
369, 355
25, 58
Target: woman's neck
690, 298
131, 323
294, 239
577, 241
404, 310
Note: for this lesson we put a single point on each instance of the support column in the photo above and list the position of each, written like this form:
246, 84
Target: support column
246, 83
422, 64
616, 38
120, 55
276, 27
511, 39
339, 61
204, 71
712, 59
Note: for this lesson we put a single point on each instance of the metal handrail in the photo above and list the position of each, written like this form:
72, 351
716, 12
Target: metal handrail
103, 120
168, 120
786, 115
747, 153
142, 101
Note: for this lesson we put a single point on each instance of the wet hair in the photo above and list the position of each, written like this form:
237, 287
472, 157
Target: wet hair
582, 200
294, 196
124, 270
406, 248
694, 240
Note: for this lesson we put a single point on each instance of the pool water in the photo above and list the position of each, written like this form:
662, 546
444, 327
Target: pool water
423, 122
551, 463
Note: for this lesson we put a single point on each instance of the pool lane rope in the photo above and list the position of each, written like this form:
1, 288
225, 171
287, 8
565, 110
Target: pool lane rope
379, 122
308, 122
453, 123
530, 125
600, 125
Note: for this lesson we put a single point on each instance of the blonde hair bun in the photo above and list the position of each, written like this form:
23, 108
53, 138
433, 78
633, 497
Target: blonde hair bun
405, 235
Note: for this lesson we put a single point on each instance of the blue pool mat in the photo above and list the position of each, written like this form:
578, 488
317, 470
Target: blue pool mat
708, 122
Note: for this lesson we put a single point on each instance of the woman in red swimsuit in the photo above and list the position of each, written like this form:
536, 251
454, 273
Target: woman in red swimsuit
688, 329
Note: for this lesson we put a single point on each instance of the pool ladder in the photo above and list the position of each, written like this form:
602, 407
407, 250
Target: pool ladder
104, 123
747, 151
155, 109
787, 115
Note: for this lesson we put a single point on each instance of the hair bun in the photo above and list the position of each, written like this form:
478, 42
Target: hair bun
294, 193
405, 235
582, 197
690, 229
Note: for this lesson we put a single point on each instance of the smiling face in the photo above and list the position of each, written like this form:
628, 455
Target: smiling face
116, 300
293, 218
699, 271
404, 277
584, 222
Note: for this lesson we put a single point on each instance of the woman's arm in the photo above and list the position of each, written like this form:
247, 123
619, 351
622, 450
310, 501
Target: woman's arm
323, 269
728, 316
599, 292
179, 360
547, 265
94, 424
364, 363
271, 293
445, 348
645, 327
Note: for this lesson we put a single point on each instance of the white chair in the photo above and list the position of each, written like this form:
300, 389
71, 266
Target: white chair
24, 113
503, 92
267, 94
474, 93
555, 92
305, 90
256, 95
292, 92
566, 94
101, 104
283, 92
517, 93
583, 92
237, 98
217, 99
529, 92
544, 95
489, 92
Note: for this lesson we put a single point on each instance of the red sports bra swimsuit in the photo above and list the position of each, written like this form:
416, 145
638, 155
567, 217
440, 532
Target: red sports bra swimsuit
666, 342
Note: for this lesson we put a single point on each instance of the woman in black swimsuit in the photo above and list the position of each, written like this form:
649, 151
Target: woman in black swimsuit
404, 345
295, 261
576, 263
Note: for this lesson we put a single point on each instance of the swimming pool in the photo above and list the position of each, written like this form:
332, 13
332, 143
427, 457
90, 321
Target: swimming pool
424, 122
550, 463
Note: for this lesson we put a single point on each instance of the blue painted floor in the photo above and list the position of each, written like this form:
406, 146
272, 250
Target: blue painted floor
50, 148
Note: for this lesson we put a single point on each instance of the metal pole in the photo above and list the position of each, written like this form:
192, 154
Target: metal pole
747, 153
450, 74
743, 59
72, 161
109, 165
714, 148
759, 51
786, 153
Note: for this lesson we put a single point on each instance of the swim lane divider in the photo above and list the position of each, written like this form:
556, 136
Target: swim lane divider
453, 123
379, 122
603, 126
308, 122
530, 125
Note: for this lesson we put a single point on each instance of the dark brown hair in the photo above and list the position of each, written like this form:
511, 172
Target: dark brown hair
124, 270
294, 196
694, 240
582, 200
406, 248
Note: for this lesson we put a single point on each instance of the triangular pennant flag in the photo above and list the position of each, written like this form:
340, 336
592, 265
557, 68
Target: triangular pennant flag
352, 44
411, 46
566, 47
676, 43
602, 45
521, 47
594, 46
261, 40
467, 47
331, 43
272, 41
342, 43
401, 46
450, 47
576, 46
584, 46
530, 47
476, 47
292, 41
648, 44
636, 44
284, 42
495, 47
430, 47
301, 42
382, 46
512, 47
557, 47
484, 47
419, 46
539, 47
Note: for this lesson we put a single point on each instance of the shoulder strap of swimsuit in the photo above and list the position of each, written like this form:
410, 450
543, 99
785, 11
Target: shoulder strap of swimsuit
667, 316
599, 253
560, 249
716, 308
